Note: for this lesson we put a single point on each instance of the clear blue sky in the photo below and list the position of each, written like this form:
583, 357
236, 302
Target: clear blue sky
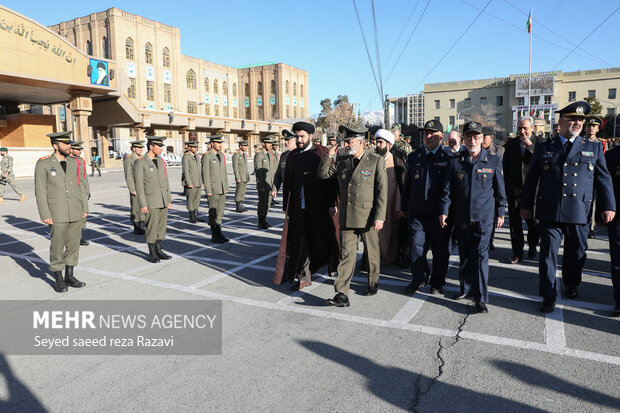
323, 37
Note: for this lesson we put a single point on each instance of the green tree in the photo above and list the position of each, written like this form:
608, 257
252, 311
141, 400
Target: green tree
595, 106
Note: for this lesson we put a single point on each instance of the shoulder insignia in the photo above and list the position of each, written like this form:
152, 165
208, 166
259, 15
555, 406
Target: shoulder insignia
140, 157
46, 157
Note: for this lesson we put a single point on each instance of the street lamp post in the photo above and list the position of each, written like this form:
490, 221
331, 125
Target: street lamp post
458, 114
615, 114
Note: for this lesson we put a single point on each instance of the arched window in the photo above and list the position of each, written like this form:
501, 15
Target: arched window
286, 88
301, 90
259, 88
129, 48
106, 48
224, 88
207, 84
216, 87
294, 88
234, 89
191, 79
246, 89
89, 48
148, 53
166, 57
272, 88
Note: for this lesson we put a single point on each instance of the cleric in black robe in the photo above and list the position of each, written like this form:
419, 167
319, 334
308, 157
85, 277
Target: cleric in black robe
311, 204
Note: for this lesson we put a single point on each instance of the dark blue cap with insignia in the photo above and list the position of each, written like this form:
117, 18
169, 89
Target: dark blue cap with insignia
216, 138
432, 126
579, 108
472, 126
350, 133
287, 134
157, 140
593, 120
64, 137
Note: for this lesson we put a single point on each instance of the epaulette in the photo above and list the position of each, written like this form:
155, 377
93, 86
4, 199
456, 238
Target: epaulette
45, 157
140, 157
128, 155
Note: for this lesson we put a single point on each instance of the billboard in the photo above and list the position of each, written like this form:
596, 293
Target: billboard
541, 85
99, 72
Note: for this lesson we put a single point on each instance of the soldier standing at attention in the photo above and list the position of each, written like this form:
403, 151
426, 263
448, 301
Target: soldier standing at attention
62, 205
154, 197
216, 186
242, 175
193, 181
290, 143
363, 204
493, 149
95, 163
591, 128
264, 169
566, 170
76, 152
137, 217
7, 177
400, 148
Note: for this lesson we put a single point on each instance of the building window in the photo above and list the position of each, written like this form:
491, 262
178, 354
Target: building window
192, 107
129, 49
148, 54
499, 118
611, 111
131, 90
272, 87
224, 88
483, 101
274, 111
611, 93
207, 109
572, 96
286, 88
534, 100
437, 104
295, 112
207, 84
547, 99
89, 48
246, 89
226, 111
452, 120
467, 103
500, 101
168, 134
216, 110
133, 133
259, 88
235, 113
288, 112
247, 113
166, 57
437, 119
150, 90
261, 113
452, 103
301, 112
167, 93
234, 89
190, 78
591, 93
216, 87
521, 101
294, 88
301, 90
105, 48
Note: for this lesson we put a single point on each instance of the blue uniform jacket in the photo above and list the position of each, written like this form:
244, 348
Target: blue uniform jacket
566, 181
473, 189
424, 182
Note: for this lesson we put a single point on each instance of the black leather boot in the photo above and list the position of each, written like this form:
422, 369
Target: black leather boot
71, 280
192, 217
142, 226
216, 238
61, 286
262, 223
82, 240
137, 230
239, 207
160, 254
219, 232
153, 254
196, 217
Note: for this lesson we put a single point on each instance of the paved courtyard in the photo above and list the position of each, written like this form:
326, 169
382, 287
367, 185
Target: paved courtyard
289, 351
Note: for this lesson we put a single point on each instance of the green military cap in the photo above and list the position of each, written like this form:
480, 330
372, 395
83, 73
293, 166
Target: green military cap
395, 126
594, 120
287, 134
157, 140
350, 133
269, 139
579, 108
216, 138
137, 144
76, 145
4, 149
64, 137
192, 144
243, 143
331, 139
316, 140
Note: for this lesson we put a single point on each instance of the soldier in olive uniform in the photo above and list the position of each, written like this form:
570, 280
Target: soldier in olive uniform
290, 144
264, 168
76, 152
193, 181
6, 175
242, 176
137, 217
62, 205
400, 148
363, 204
154, 197
216, 186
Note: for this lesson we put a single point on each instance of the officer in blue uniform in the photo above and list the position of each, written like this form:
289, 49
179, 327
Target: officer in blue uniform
566, 169
475, 189
612, 157
422, 190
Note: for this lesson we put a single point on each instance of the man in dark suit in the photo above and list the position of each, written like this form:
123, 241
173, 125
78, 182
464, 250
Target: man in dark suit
612, 157
566, 170
517, 157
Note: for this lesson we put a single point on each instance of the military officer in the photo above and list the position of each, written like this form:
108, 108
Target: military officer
363, 204
476, 191
6, 175
193, 181
591, 128
422, 191
488, 134
62, 205
216, 186
76, 152
400, 148
264, 168
154, 197
612, 157
566, 169
290, 144
242, 175
136, 216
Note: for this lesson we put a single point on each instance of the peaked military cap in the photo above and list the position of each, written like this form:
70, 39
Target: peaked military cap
431, 126
268, 139
395, 126
593, 120
316, 140
350, 133
192, 144
287, 134
579, 108
76, 145
137, 144
331, 138
216, 138
305, 126
243, 143
488, 131
157, 140
4, 149
64, 137
472, 127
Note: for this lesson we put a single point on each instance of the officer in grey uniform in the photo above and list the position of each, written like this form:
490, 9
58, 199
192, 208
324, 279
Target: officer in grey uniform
137, 217
242, 175
363, 205
6, 175
264, 168
193, 181
154, 197
76, 152
62, 205
216, 186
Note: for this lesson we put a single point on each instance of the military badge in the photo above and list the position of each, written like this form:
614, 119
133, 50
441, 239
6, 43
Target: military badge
416, 176
366, 173
584, 153
53, 171
546, 167
590, 166
579, 109
472, 125
460, 175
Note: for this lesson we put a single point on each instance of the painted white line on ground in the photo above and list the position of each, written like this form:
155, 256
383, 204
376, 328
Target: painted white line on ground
409, 310
554, 329
297, 294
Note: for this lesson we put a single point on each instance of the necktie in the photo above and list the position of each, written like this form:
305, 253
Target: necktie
567, 145
218, 157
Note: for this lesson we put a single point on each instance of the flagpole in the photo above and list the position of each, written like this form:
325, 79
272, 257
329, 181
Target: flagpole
529, 85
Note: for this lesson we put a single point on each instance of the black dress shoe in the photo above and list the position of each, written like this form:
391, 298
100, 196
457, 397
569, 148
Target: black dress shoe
531, 253
435, 290
412, 287
515, 260
339, 300
372, 289
616, 311
480, 307
571, 292
491, 247
83, 242
591, 234
461, 296
547, 305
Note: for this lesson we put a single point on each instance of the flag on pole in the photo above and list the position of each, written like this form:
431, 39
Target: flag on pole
529, 23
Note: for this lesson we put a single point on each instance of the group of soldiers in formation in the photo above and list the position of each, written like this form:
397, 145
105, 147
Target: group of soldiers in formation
401, 202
